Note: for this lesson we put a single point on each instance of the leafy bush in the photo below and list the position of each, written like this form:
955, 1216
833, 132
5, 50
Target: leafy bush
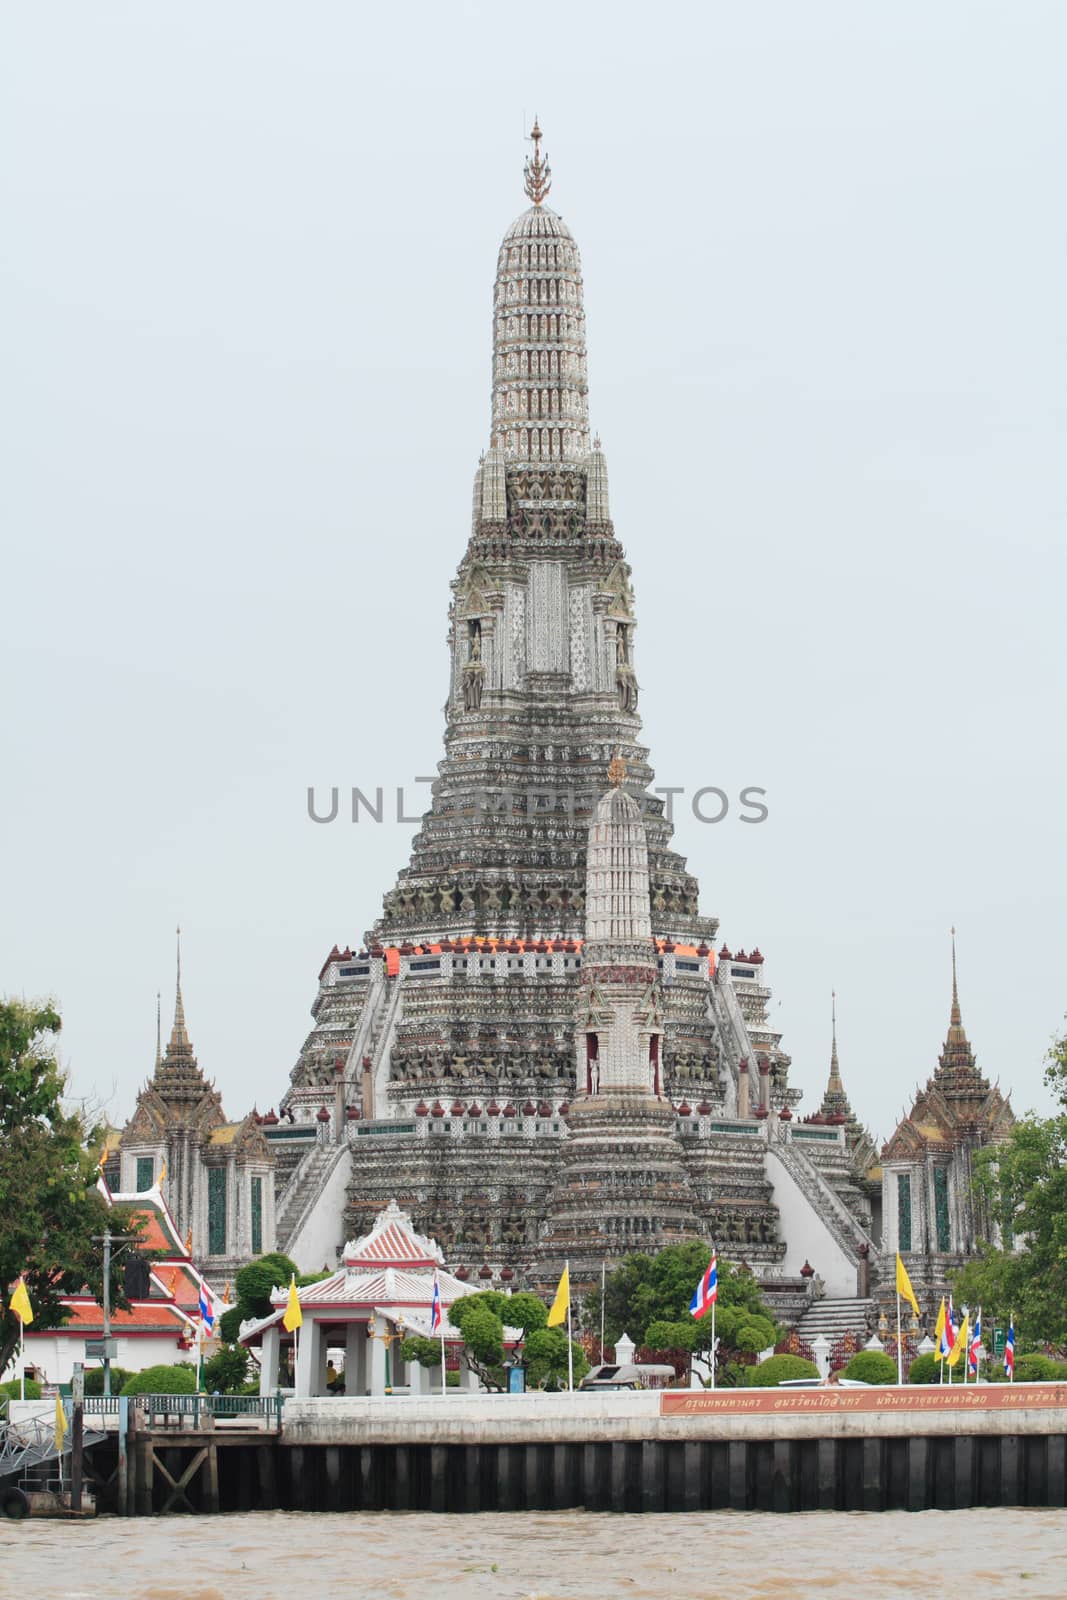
925, 1369
162, 1380
227, 1370
230, 1323
1033, 1369
872, 1366
13, 1389
94, 1380
776, 1369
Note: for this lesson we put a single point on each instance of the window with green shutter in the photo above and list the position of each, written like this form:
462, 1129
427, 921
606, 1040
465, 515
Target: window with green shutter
903, 1211
146, 1171
216, 1211
256, 1210
941, 1222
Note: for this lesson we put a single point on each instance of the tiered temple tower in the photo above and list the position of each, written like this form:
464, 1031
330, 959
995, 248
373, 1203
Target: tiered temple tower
216, 1176
930, 1214
461, 1051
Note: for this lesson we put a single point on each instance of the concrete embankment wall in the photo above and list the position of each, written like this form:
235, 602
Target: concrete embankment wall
776, 1451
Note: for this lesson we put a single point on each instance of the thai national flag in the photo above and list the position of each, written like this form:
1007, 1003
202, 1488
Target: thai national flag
207, 1311
948, 1337
976, 1343
1009, 1349
435, 1307
707, 1290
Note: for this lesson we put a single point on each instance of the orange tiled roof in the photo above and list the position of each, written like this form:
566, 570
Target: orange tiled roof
86, 1316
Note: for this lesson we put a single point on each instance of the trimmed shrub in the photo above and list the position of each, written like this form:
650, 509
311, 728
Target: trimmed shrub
925, 1369
777, 1368
872, 1366
94, 1380
13, 1389
162, 1380
1033, 1369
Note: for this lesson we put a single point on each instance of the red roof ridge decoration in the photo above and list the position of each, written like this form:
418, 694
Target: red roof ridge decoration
393, 1242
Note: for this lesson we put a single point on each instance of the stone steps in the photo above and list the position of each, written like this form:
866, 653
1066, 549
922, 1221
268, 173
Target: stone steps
832, 1319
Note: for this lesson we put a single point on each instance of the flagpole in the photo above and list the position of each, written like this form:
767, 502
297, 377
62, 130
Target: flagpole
570, 1346
713, 1344
900, 1352
444, 1370
22, 1359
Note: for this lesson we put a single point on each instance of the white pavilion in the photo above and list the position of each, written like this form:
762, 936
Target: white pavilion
360, 1315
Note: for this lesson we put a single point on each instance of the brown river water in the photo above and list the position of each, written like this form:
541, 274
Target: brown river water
541, 1555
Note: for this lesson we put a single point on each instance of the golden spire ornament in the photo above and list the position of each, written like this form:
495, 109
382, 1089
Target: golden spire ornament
537, 174
616, 771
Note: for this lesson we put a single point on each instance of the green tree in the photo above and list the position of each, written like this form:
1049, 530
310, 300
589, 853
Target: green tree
255, 1282
1022, 1185
50, 1207
254, 1285
648, 1297
482, 1318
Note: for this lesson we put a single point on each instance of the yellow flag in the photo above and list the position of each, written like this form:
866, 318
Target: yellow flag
962, 1341
904, 1288
561, 1304
939, 1325
20, 1302
294, 1317
61, 1422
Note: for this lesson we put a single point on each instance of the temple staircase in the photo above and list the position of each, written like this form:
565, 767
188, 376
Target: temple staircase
302, 1190
833, 1319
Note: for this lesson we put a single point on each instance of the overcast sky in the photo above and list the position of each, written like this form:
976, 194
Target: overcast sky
246, 286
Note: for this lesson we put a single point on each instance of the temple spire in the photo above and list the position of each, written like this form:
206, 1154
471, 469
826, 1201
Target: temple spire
835, 1070
537, 174
178, 1037
955, 1018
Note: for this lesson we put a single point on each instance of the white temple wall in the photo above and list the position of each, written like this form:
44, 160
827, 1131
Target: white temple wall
807, 1237
320, 1237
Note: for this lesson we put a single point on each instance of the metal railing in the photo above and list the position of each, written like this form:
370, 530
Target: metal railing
217, 1406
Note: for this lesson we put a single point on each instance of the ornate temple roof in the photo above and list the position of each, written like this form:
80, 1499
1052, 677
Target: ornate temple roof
177, 1094
957, 1074
540, 386
958, 1103
835, 1102
836, 1106
393, 1242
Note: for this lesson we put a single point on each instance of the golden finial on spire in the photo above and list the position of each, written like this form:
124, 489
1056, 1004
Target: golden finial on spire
616, 771
537, 174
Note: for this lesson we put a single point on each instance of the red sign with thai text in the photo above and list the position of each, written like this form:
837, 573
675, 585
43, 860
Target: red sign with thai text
935, 1397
